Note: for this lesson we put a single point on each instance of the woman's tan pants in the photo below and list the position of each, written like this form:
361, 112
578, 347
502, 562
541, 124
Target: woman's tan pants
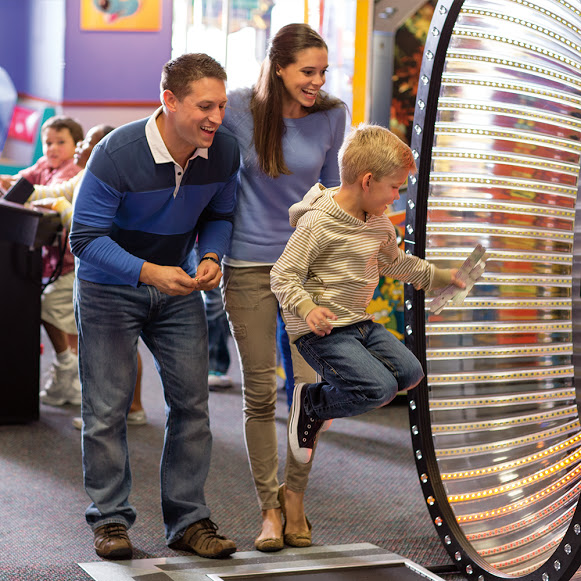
252, 309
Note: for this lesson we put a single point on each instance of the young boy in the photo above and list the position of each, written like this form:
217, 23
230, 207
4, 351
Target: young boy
325, 279
60, 135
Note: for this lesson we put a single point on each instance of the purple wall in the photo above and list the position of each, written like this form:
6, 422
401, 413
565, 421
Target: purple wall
15, 40
99, 67
103, 66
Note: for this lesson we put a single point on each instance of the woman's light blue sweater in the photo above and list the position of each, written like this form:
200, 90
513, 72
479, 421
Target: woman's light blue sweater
310, 147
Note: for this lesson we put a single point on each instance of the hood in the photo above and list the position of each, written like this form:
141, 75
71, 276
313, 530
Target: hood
315, 199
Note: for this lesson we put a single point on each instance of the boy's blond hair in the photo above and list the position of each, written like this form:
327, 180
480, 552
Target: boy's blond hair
373, 149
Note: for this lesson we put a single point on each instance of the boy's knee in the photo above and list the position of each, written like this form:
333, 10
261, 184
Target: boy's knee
388, 394
414, 374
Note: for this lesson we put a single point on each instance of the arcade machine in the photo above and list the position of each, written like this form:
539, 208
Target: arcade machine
23, 232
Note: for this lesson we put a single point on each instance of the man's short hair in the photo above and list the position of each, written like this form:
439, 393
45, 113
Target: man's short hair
60, 122
178, 73
373, 149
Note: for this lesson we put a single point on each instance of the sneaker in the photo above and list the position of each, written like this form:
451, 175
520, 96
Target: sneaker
217, 380
137, 418
201, 538
302, 429
63, 386
112, 541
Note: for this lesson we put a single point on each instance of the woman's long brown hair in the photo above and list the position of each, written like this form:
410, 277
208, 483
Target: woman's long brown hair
267, 95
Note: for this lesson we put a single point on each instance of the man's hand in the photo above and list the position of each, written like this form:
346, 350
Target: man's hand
319, 321
208, 274
171, 280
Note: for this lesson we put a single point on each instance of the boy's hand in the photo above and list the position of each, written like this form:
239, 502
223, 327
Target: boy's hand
463, 278
319, 321
445, 276
455, 280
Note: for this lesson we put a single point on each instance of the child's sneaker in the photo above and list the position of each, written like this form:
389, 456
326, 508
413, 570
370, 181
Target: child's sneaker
217, 380
63, 386
302, 429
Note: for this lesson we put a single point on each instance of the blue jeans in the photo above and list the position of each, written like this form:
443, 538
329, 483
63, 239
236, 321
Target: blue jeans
363, 366
110, 320
218, 331
284, 349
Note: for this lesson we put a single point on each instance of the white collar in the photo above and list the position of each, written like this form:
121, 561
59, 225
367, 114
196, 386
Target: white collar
158, 147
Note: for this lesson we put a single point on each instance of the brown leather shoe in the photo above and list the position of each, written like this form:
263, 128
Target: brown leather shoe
112, 541
300, 540
269, 545
201, 538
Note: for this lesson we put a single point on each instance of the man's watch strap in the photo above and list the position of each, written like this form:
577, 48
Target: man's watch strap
211, 258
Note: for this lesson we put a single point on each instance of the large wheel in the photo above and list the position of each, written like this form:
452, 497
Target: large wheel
495, 426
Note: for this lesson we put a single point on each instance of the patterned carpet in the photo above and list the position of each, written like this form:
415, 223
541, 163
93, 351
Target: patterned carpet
363, 488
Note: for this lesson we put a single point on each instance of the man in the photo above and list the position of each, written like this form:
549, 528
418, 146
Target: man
149, 190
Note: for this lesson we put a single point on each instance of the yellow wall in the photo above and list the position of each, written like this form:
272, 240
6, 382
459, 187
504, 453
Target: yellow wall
361, 73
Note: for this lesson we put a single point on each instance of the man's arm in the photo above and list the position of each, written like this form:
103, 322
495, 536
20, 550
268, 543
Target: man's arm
96, 206
215, 225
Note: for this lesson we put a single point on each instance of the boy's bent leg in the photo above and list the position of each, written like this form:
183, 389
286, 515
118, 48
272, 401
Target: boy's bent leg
297, 473
363, 366
108, 318
396, 357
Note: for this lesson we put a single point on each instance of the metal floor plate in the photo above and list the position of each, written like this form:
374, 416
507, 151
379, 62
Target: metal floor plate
355, 562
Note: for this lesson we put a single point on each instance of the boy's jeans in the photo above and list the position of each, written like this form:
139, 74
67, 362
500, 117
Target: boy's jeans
363, 366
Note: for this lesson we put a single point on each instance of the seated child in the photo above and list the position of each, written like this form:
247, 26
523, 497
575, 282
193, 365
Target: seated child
326, 277
59, 198
59, 135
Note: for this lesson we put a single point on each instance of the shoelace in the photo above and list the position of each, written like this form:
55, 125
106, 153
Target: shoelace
115, 530
312, 430
207, 532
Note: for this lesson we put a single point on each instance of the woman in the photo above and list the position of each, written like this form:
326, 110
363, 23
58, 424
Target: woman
289, 134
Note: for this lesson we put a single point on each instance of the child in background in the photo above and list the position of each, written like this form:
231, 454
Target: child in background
326, 277
59, 198
59, 135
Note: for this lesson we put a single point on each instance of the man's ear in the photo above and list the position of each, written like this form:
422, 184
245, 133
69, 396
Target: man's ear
169, 100
365, 181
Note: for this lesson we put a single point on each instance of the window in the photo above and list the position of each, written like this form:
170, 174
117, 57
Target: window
236, 34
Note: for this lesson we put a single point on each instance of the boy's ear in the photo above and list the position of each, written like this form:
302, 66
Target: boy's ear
365, 181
